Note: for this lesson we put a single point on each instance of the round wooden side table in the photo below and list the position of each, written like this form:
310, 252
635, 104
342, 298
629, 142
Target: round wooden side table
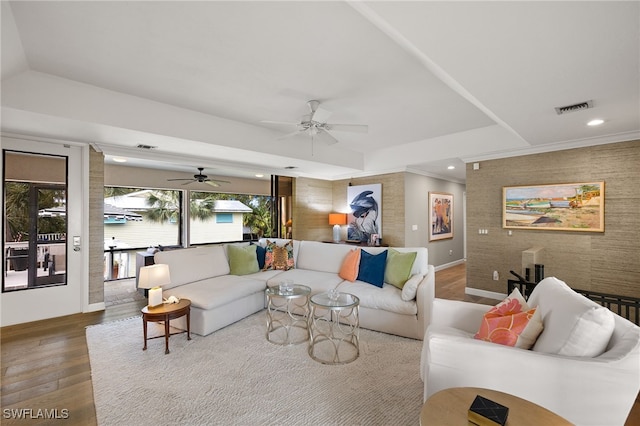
451, 407
166, 312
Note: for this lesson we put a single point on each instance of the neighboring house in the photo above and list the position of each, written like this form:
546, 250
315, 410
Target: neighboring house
129, 227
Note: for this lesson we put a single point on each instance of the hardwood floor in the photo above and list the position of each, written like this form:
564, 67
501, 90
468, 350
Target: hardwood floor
45, 364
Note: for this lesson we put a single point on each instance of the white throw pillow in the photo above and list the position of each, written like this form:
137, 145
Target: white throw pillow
410, 288
573, 324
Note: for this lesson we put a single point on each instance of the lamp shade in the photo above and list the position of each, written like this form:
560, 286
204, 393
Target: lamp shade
337, 219
154, 276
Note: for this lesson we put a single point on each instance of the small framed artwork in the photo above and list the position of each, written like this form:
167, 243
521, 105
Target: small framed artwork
440, 216
559, 207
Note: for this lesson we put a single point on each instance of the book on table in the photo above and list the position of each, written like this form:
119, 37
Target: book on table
485, 412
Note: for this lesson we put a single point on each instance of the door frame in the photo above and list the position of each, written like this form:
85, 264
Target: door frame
49, 302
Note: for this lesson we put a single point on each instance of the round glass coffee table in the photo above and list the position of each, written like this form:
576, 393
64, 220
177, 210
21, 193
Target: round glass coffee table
287, 313
334, 326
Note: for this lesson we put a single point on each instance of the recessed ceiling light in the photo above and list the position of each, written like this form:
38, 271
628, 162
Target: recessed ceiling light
119, 160
259, 175
451, 167
595, 122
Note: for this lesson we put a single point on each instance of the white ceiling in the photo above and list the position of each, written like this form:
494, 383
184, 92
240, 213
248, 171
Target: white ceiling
438, 83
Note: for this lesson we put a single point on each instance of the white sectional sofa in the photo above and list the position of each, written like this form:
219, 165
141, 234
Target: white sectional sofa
584, 366
202, 274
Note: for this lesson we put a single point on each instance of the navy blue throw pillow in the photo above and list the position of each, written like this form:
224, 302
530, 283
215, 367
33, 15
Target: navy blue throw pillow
260, 253
371, 268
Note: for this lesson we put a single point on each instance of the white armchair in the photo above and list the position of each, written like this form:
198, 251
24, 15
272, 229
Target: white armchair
596, 390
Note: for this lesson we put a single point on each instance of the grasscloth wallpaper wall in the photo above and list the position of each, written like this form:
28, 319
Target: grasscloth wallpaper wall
96, 226
314, 199
606, 262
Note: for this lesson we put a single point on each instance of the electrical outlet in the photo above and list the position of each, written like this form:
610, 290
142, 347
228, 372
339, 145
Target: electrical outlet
450, 252
496, 276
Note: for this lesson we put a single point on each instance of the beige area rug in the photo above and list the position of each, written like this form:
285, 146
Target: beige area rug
235, 377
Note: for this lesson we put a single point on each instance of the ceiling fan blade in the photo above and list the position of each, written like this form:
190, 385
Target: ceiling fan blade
327, 137
218, 181
285, 123
180, 179
320, 115
288, 135
212, 183
356, 128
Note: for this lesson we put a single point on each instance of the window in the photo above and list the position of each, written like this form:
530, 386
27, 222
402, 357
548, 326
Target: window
224, 218
35, 221
135, 219
219, 217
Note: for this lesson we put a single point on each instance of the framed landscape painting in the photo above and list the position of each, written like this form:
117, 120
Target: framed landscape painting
561, 207
440, 216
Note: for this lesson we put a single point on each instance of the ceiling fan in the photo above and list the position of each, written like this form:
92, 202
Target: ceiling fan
315, 124
202, 179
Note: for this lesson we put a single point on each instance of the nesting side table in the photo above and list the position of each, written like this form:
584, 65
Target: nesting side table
334, 326
287, 314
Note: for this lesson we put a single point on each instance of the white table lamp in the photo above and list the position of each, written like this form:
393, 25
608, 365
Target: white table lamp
153, 277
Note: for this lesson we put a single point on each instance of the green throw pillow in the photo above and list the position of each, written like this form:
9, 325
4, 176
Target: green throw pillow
398, 268
242, 260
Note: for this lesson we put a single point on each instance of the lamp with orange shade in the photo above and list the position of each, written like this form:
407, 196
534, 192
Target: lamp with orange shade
337, 219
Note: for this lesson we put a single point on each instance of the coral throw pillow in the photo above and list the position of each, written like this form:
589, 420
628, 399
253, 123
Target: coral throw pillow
511, 322
350, 265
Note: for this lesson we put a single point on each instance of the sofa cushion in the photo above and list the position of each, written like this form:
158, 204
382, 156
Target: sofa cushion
573, 324
350, 265
218, 291
386, 297
242, 260
511, 323
318, 256
398, 268
371, 269
317, 280
193, 264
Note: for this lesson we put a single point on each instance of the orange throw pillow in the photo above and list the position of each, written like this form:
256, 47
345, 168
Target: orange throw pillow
511, 322
350, 266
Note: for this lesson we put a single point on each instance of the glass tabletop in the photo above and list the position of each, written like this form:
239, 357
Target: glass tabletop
296, 290
343, 300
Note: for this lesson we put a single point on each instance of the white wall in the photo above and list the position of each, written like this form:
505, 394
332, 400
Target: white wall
417, 188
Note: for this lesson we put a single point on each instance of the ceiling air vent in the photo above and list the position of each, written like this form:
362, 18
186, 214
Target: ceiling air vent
143, 146
574, 107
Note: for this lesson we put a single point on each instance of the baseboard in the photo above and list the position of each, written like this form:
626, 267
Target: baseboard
450, 264
484, 293
93, 307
